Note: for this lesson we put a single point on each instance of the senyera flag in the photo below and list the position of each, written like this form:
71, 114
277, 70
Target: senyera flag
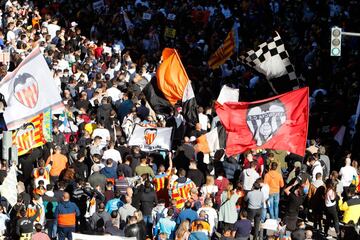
280, 123
30, 135
29, 90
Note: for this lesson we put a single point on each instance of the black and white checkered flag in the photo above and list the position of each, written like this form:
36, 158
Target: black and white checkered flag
271, 59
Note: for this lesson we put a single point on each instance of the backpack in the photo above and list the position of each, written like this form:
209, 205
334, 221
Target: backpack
159, 215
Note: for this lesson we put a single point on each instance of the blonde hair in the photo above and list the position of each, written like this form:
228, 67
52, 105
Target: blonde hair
229, 191
183, 228
210, 180
139, 216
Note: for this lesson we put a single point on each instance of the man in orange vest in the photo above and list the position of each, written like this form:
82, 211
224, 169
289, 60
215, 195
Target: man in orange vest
65, 215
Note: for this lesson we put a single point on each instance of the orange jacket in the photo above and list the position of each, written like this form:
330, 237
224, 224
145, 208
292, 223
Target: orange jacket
275, 181
59, 164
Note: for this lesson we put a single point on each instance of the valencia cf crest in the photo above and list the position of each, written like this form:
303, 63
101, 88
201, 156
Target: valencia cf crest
150, 135
26, 90
265, 120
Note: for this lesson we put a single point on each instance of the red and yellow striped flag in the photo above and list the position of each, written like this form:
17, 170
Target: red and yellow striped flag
30, 135
225, 51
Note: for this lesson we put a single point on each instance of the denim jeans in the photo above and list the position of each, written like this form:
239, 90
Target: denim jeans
274, 199
264, 212
148, 224
65, 232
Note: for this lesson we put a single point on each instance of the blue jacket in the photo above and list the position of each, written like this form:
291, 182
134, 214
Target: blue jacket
198, 236
66, 213
109, 172
187, 214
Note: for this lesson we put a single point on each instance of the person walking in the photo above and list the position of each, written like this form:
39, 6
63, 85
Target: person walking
255, 200
330, 204
65, 215
275, 181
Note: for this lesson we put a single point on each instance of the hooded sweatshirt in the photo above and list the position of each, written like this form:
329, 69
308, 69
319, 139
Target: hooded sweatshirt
275, 181
109, 172
105, 216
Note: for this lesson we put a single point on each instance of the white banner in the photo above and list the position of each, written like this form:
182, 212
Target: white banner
8, 187
29, 90
78, 236
151, 138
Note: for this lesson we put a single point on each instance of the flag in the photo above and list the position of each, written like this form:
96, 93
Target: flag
357, 114
228, 94
271, 59
129, 25
226, 50
174, 85
47, 125
211, 141
339, 136
9, 186
199, 16
30, 135
151, 138
278, 123
180, 192
29, 90
156, 99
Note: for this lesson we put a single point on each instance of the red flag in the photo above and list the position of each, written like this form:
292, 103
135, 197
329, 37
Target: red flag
280, 123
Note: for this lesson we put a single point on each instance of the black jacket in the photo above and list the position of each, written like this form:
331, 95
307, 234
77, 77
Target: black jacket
148, 201
132, 230
126, 169
196, 176
81, 170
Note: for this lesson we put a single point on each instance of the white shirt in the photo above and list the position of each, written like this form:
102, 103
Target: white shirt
114, 93
104, 134
10, 35
52, 28
3, 219
317, 168
248, 177
212, 189
347, 174
203, 120
113, 154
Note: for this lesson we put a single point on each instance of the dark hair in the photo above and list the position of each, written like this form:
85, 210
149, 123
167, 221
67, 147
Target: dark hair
243, 213
38, 227
182, 172
253, 163
170, 212
187, 204
274, 165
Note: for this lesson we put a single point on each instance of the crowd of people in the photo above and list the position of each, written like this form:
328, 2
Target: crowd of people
88, 180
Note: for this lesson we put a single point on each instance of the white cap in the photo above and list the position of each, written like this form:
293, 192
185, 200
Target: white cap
192, 139
73, 24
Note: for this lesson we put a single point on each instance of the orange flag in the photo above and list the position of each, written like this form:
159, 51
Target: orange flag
171, 76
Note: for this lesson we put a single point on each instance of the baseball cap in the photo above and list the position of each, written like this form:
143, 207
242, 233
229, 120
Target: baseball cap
73, 24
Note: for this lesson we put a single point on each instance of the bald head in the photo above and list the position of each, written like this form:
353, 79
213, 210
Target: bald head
66, 196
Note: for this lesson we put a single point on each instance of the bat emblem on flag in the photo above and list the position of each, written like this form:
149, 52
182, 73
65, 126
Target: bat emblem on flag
150, 135
265, 120
25, 136
26, 90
